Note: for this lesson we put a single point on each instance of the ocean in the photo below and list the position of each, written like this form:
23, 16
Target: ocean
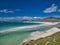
7, 25
17, 37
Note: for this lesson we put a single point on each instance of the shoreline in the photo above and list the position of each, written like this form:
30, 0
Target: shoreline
36, 35
26, 27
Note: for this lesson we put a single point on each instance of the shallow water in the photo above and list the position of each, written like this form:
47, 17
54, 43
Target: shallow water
14, 38
17, 37
7, 25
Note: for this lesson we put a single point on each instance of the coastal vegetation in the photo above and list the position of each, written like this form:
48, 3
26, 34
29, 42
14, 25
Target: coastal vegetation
50, 40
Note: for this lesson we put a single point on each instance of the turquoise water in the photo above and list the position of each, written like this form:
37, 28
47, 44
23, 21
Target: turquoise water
16, 38
7, 25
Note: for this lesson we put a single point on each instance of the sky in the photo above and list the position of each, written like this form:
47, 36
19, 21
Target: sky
43, 8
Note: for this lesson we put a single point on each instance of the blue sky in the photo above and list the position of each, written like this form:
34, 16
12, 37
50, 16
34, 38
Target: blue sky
13, 8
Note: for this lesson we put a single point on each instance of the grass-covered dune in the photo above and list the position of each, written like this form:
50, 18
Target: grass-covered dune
50, 40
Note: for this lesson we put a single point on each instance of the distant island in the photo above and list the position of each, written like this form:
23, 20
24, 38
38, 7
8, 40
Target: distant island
30, 19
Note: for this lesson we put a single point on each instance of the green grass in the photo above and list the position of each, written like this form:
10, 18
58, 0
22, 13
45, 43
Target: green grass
50, 40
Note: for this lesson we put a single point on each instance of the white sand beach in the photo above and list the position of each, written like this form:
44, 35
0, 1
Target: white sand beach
36, 35
27, 27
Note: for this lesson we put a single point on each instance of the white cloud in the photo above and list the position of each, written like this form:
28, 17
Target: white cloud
6, 11
9, 11
51, 9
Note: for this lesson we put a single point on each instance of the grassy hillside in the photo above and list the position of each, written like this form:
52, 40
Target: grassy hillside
50, 40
